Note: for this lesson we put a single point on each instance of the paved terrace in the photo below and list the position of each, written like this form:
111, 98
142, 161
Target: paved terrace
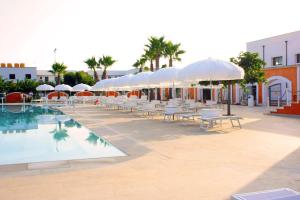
169, 160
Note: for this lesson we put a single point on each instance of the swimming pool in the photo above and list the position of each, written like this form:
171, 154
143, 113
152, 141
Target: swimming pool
30, 134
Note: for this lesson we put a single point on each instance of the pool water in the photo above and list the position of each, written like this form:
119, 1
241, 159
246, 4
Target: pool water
31, 134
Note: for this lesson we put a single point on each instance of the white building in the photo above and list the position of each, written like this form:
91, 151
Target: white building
281, 50
45, 76
15, 73
113, 73
282, 70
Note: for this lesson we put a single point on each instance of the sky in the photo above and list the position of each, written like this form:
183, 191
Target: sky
31, 29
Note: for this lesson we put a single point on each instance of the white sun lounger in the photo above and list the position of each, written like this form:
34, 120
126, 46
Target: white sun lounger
209, 122
210, 117
277, 194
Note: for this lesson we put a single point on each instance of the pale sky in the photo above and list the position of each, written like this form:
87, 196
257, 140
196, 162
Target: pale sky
31, 29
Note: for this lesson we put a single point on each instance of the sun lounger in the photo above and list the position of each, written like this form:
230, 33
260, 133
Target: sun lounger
209, 122
277, 194
170, 112
188, 115
210, 117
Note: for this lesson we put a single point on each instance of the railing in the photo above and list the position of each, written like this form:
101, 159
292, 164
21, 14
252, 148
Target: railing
286, 98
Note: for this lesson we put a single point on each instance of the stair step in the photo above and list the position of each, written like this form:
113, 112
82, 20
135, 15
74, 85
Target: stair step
293, 109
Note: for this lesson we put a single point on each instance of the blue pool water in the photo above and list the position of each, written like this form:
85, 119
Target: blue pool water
31, 134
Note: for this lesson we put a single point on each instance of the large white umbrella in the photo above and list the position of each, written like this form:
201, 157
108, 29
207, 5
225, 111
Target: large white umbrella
110, 84
63, 87
104, 85
212, 70
81, 87
165, 77
45, 87
98, 86
122, 83
140, 80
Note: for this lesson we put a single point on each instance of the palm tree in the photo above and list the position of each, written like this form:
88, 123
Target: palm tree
140, 63
58, 69
149, 56
93, 64
156, 46
155, 50
172, 52
106, 62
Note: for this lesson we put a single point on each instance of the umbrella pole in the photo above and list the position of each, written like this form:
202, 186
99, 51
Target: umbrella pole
195, 94
211, 92
173, 92
229, 98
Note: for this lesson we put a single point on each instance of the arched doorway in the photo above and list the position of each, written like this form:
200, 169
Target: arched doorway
278, 89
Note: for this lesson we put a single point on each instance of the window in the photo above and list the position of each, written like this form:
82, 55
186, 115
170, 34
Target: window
46, 78
298, 58
41, 78
277, 61
27, 76
12, 76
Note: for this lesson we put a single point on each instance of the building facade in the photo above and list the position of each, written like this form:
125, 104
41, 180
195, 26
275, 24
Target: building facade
113, 73
45, 76
282, 70
17, 72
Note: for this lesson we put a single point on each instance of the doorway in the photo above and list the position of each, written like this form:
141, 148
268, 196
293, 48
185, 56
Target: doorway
206, 94
274, 94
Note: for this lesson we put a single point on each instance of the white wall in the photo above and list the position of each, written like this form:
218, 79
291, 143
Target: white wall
51, 78
20, 73
275, 46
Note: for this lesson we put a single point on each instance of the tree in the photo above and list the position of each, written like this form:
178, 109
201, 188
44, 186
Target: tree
70, 78
93, 65
58, 69
149, 56
74, 78
253, 67
84, 77
3, 87
27, 86
106, 62
173, 52
156, 46
140, 63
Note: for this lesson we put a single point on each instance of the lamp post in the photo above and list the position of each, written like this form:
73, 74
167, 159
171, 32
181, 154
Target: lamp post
54, 51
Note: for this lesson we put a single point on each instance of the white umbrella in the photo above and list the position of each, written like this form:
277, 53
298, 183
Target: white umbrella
98, 86
140, 80
109, 84
104, 85
166, 77
81, 87
122, 83
63, 87
212, 70
45, 87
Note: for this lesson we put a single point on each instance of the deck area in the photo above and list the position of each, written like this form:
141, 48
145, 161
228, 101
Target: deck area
169, 160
